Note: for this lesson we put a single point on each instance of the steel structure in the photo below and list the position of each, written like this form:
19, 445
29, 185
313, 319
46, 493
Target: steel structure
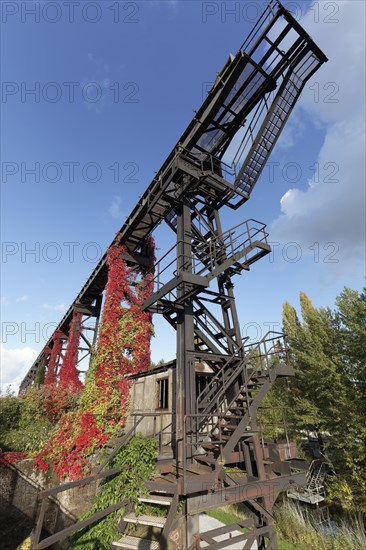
217, 426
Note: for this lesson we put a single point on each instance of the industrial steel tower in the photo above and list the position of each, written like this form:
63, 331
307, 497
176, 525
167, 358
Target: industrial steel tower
215, 425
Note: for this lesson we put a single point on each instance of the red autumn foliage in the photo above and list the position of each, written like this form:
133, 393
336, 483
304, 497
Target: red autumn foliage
10, 457
69, 376
123, 286
78, 435
57, 400
123, 347
51, 374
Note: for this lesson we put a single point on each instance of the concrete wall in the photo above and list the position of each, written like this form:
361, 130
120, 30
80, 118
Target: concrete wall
19, 505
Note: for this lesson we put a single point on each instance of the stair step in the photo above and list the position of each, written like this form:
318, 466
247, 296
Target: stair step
136, 544
230, 427
153, 521
216, 442
172, 478
156, 499
209, 446
163, 457
207, 459
161, 486
197, 469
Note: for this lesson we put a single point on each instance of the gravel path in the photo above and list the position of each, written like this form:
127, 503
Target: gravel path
207, 523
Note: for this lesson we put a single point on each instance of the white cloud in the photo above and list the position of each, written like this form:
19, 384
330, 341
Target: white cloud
23, 298
14, 365
115, 208
292, 131
332, 207
56, 307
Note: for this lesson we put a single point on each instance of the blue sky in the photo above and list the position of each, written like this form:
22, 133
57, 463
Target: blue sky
115, 85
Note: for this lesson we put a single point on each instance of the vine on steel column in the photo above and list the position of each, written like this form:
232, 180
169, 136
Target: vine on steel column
55, 357
123, 348
69, 375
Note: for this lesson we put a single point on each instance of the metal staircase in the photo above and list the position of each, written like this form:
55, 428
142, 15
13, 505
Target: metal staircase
268, 134
162, 523
314, 491
227, 406
231, 253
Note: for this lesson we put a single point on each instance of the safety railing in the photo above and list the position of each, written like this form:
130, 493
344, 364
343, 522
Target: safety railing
219, 383
207, 323
99, 474
209, 254
268, 351
267, 14
230, 244
207, 162
259, 357
163, 433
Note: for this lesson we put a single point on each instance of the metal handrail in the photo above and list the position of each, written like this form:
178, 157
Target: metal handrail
157, 433
196, 437
205, 254
252, 348
218, 402
64, 533
99, 474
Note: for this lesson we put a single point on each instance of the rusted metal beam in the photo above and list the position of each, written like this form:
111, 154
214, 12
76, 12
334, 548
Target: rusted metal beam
62, 535
78, 482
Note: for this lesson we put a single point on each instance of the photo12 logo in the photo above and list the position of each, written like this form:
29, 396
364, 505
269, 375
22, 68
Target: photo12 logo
68, 172
50, 252
252, 11
70, 92
69, 12
27, 333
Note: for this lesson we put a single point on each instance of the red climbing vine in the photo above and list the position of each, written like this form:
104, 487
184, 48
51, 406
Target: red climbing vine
55, 357
69, 376
123, 348
11, 456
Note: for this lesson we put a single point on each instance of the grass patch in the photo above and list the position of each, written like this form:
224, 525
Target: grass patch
225, 515
295, 526
296, 530
285, 545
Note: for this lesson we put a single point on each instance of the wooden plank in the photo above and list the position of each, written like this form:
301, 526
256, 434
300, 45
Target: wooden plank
37, 533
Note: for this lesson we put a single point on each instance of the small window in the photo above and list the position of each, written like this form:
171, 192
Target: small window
162, 394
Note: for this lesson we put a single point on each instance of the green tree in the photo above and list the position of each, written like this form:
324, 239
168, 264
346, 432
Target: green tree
327, 396
39, 379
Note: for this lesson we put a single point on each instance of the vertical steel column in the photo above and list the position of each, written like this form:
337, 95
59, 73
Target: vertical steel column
228, 305
186, 384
